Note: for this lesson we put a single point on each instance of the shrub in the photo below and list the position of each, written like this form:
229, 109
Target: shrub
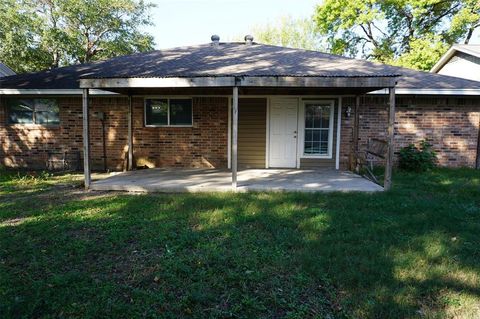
416, 159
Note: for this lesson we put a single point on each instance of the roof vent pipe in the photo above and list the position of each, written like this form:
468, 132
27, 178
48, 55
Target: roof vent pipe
248, 39
215, 40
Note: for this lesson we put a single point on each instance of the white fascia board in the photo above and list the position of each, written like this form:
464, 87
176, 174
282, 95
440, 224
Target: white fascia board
157, 82
468, 51
53, 92
230, 81
444, 59
400, 91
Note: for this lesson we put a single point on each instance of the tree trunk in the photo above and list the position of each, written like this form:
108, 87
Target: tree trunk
55, 63
469, 36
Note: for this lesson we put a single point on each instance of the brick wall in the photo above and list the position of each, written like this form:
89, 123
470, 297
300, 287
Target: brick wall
202, 145
450, 124
29, 145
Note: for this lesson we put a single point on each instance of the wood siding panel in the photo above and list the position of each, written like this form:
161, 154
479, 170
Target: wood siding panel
252, 130
462, 65
312, 163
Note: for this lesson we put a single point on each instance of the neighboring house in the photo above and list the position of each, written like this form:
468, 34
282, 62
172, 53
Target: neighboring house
296, 109
461, 60
5, 70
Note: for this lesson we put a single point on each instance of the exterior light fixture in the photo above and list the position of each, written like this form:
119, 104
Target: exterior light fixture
348, 111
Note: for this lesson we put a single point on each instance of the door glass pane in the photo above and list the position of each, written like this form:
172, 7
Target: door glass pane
323, 136
156, 112
317, 116
317, 129
181, 112
309, 117
308, 148
324, 148
308, 135
325, 118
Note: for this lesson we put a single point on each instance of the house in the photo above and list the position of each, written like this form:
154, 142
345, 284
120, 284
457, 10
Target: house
228, 105
5, 70
461, 60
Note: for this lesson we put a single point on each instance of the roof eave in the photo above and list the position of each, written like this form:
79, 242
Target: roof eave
443, 60
433, 91
53, 92
449, 54
96, 92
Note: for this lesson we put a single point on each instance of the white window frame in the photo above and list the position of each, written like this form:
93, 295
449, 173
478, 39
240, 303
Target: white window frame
168, 98
301, 128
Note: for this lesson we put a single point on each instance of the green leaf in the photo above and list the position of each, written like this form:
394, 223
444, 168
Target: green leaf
37, 35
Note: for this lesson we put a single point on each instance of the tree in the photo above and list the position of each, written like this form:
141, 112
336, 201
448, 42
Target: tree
19, 37
289, 32
412, 33
40, 34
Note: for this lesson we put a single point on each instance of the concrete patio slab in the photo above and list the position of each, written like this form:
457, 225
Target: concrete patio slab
215, 180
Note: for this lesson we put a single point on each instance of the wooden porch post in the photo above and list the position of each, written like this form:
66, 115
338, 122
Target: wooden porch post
234, 137
130, 134
356, 124
477, 161
390, 140
86, 139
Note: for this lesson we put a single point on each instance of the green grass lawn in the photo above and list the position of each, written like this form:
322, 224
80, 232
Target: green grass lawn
412, 252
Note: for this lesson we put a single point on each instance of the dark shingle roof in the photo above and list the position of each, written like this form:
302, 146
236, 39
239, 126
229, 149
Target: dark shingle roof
231, 59
5, 70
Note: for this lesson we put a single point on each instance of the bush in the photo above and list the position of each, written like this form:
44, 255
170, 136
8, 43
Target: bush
417, 159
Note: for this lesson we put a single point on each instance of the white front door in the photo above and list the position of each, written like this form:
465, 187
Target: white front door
283, 132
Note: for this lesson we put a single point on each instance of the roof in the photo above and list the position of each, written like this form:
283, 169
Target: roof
470, 49
231, 59
5, 70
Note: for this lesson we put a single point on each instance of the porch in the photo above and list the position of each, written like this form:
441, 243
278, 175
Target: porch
220, 180
274, 117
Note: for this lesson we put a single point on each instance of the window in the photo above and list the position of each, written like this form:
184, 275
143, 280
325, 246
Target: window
168, 112
33, 111
156, 112
318, 126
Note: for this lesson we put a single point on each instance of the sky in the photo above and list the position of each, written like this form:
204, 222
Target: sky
187, 22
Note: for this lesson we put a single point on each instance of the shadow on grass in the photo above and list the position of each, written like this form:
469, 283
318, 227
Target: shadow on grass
411, 252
